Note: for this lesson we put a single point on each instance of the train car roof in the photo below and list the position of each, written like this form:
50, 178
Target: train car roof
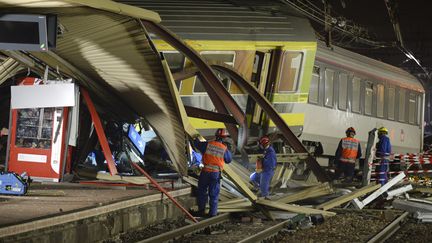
223, 20
367, 67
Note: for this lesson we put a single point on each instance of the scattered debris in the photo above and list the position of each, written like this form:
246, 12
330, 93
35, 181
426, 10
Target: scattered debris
348, 197
361, 204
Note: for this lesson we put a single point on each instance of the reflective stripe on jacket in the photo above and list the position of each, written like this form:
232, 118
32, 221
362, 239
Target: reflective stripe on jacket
214, 156
349, 150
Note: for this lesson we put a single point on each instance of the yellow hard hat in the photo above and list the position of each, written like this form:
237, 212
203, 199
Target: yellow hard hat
383, 130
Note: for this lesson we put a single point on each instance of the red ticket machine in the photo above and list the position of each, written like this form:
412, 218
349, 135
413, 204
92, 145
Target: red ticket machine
38, 141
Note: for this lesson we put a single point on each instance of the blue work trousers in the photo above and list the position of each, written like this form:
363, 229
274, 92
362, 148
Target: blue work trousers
383, 171
263, 180
208, 186
347, 169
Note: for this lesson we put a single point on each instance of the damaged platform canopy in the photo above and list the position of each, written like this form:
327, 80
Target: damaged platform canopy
105, 49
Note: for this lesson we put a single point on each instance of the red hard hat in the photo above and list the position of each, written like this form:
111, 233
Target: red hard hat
350, 129
264, 141
222, 133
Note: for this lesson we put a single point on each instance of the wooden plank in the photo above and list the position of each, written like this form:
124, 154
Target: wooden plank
233, 201
244, 189
348, 197
294, 208
236, 210
139, 180
310, 192
241, 185
236, 205
241, 171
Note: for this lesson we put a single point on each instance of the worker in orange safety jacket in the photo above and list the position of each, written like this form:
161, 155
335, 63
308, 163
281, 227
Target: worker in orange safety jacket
215, 155
348, 151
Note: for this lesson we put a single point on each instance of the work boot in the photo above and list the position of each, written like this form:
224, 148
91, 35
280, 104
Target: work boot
199, 213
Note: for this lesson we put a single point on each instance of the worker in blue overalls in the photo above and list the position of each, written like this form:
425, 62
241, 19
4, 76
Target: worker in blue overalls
263, 176
215, 155
383, 150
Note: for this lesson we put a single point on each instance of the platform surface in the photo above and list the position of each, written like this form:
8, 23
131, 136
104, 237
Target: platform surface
48, 200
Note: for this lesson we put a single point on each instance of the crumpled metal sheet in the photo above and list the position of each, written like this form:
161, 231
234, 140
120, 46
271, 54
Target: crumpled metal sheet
110, 55
7, 68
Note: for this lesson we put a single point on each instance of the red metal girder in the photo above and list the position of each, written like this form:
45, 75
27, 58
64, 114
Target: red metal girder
293, 141
100, 132
220, 97
209, 115
161, 189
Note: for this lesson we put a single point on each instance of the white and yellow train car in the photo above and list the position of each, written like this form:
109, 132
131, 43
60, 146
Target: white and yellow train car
276, 53
318, 91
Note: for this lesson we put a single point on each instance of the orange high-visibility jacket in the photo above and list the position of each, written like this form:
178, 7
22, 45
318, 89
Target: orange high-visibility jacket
259, 165
349, 150
213, 158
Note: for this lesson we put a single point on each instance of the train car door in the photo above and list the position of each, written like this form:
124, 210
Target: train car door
259, 78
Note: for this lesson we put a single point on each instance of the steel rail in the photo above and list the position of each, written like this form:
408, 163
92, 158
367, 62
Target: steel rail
292, 139
221, 98
188, 229
266, 233
389, 230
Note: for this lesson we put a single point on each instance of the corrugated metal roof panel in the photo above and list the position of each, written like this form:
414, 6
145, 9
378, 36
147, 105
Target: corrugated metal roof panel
223, 20
110, 55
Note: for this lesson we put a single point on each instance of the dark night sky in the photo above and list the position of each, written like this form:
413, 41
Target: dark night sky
414, 18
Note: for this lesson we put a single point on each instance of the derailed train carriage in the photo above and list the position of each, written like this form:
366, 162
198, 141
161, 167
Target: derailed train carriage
318, 91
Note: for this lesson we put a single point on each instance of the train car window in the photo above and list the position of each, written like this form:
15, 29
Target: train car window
412, 106
368, 100
380, 100
216, 56
290, 73
343, 88
256, 69
314, 86
402, 110
176, 62
355, 95
328, 87
391, 103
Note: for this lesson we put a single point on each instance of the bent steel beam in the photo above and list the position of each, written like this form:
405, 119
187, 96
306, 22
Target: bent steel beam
220, 97
185, 73
209, 115
293, 141
100, 132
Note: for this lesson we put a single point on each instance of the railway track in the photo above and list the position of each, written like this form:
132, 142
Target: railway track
390, 229
186, 233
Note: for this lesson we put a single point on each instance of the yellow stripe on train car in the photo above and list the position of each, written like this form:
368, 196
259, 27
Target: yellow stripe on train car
290, 98
198, 123
291, 119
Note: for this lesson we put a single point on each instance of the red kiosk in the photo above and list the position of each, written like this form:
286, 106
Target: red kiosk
38, 139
